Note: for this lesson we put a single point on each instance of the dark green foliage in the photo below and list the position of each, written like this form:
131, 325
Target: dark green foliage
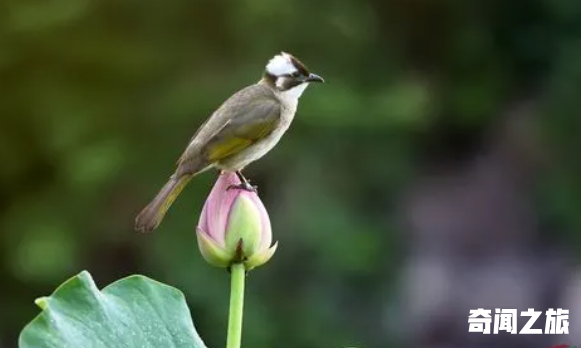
99, 98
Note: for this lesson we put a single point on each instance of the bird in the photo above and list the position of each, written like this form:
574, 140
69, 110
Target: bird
242, 130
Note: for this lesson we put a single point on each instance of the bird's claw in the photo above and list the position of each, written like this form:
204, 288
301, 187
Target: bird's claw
244, 186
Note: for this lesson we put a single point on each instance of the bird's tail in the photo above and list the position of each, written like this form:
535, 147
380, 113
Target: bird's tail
151, 216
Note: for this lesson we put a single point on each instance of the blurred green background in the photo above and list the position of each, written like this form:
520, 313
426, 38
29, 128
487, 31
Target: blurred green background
99, 98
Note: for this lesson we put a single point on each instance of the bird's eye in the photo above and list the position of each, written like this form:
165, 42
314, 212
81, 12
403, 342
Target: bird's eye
296, 74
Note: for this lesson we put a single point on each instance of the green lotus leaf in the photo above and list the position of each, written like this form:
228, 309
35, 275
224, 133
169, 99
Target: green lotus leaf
133, 312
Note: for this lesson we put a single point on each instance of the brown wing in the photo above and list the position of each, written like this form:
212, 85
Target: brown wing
244, 130
244, 119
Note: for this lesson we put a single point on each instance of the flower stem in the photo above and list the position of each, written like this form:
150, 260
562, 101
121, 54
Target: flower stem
236, 306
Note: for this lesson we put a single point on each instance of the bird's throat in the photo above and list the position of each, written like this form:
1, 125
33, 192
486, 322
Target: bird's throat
292, 95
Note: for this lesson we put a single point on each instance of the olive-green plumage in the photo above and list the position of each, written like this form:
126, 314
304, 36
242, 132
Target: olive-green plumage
243, 129
248, 117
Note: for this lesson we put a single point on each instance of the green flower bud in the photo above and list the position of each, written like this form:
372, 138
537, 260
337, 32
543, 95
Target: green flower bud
234, 226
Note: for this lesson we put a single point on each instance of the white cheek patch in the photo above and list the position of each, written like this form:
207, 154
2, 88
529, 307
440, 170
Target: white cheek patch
281, 65
280, 82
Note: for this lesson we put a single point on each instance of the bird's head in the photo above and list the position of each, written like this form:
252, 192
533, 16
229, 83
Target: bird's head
285, 73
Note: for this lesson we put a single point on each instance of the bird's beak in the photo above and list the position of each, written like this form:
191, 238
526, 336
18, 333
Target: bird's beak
314, 78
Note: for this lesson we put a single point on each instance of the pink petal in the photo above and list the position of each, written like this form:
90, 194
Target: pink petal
203, 222
219, 203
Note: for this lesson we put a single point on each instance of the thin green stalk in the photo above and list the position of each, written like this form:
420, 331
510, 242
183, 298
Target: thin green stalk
234, 338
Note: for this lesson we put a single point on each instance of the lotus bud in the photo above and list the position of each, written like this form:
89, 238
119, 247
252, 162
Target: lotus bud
234, 226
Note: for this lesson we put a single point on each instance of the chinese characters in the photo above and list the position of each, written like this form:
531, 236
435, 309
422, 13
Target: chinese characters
480, 320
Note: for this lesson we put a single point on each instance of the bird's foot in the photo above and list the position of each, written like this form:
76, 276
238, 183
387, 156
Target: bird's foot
244, 186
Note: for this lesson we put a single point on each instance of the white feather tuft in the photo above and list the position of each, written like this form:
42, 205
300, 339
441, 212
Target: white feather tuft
280, 65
